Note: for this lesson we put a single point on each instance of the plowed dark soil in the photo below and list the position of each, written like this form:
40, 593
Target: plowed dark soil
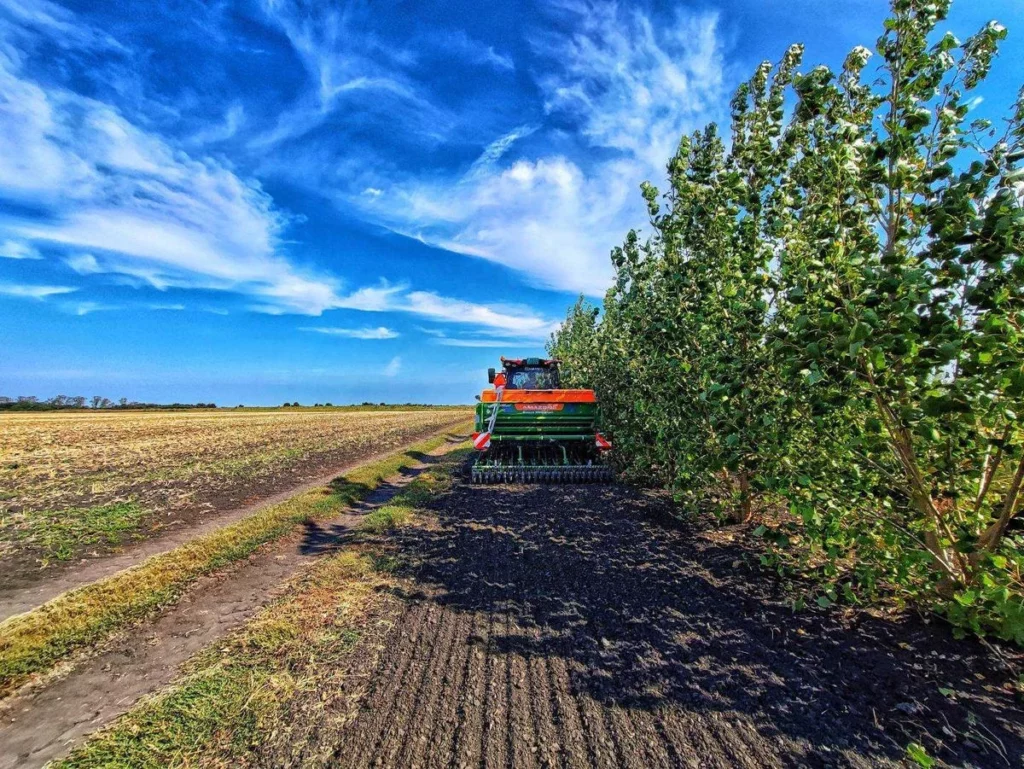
583, 626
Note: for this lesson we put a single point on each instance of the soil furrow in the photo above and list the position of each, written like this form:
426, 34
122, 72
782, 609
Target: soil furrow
578, 749
418, 720
468, 748
495, 734
539, 702
382, 692
447, 712
606, 634
376, 716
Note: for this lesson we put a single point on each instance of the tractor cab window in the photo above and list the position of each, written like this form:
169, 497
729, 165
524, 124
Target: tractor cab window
533, 378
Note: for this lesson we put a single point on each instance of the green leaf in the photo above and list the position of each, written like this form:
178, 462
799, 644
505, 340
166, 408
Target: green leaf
878, 359
919, 755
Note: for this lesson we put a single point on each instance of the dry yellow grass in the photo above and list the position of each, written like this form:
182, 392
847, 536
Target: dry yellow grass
73, 480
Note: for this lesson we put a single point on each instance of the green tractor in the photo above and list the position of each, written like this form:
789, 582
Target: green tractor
530, 430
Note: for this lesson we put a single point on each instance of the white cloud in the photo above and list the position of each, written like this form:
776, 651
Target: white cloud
83, 264
495, 318
458, 43
16, 249
393, 367
85, 308
630, 87
343, 58
33, 292
234, 119
168, 307
372, 298
29, 18
636, 84
381, 332
145, 208
503, 343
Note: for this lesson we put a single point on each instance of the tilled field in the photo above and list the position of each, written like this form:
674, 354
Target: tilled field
583, 627
76, 483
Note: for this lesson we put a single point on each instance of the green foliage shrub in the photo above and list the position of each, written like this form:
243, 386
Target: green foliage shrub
828, 317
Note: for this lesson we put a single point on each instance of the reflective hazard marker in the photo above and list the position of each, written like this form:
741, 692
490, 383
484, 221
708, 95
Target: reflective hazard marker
602, 443
481, 441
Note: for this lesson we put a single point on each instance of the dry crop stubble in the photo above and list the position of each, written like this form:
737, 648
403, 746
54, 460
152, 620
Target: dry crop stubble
71, 481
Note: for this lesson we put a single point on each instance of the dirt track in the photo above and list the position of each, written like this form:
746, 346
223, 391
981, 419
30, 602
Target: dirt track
582, 627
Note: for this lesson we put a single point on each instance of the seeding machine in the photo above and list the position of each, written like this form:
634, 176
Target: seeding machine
530, 430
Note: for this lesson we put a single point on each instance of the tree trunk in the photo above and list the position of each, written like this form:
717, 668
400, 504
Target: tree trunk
744, 511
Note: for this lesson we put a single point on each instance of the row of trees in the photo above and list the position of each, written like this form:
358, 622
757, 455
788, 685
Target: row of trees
828, 318
33, 403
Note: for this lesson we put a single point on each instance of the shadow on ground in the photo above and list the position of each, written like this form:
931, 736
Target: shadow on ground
649, 614
319, 537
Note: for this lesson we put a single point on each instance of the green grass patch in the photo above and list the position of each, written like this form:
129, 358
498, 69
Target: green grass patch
59, 534
32, 643
239, 701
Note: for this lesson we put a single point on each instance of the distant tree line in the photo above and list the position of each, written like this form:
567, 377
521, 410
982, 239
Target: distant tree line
60, 402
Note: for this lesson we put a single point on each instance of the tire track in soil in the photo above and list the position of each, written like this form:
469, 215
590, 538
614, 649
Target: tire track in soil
44, 722
581, 627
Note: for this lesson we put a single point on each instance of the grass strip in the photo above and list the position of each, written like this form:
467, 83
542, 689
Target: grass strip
32, 643
59, 534
274, 684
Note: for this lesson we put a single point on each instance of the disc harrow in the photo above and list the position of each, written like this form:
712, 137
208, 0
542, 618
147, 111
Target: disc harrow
486, 474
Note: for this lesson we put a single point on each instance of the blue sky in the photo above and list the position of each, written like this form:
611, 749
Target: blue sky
253, 202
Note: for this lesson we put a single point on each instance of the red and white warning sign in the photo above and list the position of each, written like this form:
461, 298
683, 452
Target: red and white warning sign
481, 441
601, 442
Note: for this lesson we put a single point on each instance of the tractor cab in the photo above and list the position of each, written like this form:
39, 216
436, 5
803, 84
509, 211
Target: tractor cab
527, 374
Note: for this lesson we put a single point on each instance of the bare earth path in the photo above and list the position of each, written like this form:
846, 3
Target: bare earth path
576, 627
39, 725
23, 593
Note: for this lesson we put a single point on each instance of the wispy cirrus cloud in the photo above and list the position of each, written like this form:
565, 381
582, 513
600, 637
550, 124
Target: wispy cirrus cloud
505, 344
393, 367
629, 87
508, 319
29, 291
381, 332
345, 61
16, 249
27, 20
458, 44
87, 308
142, 206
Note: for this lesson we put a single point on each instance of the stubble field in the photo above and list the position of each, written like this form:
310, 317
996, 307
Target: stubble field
72, 483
